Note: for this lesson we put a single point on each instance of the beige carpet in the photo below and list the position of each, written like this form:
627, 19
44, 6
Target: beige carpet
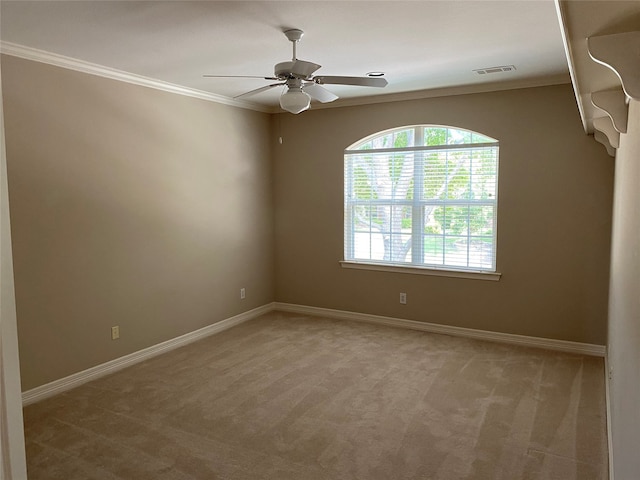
293, 397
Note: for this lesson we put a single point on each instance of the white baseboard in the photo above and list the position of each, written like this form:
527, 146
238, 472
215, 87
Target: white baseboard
537, 342
607, 393
77, 379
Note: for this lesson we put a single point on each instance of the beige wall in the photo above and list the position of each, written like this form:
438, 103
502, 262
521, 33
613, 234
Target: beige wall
624, 313
149, 210
130, 207
554, 217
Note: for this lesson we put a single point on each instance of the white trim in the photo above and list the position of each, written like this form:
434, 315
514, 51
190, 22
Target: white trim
614, 104
607, 393
57, 60
77, 379
523, 340
49, 58
420, 148
564, 32
13, 463
619, 52
93, 373
493, 276
445, 92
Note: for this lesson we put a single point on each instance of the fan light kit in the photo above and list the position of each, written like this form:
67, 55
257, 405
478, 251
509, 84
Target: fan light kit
300, 84
294, 100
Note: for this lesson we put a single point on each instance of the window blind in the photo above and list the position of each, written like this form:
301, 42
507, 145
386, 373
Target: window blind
426, 205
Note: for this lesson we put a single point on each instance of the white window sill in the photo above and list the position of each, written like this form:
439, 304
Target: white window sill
492, 276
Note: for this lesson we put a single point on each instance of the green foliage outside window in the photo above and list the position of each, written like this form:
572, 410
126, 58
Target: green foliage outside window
446, 181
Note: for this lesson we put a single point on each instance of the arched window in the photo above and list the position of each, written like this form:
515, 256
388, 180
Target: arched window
423, 196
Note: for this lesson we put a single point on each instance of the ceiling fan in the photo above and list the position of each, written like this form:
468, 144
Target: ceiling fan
301, 85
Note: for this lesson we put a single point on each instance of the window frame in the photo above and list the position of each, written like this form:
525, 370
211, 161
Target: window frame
418, 204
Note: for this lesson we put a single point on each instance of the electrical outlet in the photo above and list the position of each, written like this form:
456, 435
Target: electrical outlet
611, 373
242, 294
115, 332
403, 298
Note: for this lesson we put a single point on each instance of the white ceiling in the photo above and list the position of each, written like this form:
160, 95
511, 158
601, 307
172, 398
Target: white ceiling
425, 47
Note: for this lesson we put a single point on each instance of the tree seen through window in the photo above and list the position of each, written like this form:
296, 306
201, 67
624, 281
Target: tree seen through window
422, 195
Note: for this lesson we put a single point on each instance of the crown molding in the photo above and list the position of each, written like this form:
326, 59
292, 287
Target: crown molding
62, 61
447, 91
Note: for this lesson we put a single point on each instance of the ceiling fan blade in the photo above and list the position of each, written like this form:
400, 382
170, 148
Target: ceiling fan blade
258, 90
240, 76
359, 81
303, 69
319, 93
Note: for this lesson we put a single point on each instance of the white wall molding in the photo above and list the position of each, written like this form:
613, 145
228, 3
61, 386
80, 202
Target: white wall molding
605, 125
613, 103
621, 53
446, 92
564, 32
67, 383
526, 341
607, 400
414, 270
602, 138
93, 373
13, 464
62, 61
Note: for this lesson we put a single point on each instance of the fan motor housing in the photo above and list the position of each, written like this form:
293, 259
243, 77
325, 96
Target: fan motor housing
283, 70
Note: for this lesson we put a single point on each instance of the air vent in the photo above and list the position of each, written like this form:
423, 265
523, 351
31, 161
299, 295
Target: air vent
503, 68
